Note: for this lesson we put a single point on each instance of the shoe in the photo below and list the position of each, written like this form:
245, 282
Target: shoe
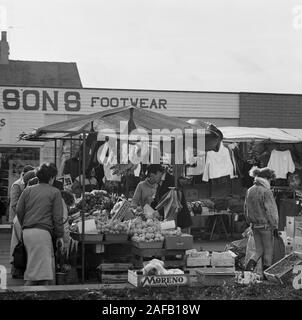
251, 265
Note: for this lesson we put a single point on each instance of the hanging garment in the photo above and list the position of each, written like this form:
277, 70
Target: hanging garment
282, 163
197, 168
218, 164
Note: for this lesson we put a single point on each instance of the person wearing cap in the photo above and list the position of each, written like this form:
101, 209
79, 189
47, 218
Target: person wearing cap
262, 213
28, 177
15, 193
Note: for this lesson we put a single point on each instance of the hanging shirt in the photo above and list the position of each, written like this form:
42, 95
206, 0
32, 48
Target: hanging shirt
218, 164
198, 169
282, 163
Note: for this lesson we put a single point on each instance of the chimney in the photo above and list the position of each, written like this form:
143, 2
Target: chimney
4, 49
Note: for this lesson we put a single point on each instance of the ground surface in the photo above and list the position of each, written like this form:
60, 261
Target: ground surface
232, 291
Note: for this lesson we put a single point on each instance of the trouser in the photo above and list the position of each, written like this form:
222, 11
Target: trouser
264, 244
16, 235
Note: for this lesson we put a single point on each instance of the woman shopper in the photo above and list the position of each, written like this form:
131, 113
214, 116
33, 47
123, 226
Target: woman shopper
15, 192
40, 212
262, 214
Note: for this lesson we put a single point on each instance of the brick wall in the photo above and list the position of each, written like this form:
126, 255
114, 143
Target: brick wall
270, 110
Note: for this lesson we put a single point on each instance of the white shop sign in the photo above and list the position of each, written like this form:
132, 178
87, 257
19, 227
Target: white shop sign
4, 127
85, 101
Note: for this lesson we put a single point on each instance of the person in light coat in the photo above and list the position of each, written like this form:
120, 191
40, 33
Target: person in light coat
262, 213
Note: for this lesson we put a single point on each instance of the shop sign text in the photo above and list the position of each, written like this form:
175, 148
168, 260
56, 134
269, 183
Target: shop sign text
51, 100
164, 281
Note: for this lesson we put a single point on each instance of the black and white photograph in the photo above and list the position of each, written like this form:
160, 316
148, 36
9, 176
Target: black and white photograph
150, 151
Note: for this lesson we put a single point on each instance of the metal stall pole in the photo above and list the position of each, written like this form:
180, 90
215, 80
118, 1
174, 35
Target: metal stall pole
83, 206
71, 146
56, 152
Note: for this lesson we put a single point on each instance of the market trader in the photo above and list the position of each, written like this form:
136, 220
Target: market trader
262, 213
165, 181
145, 191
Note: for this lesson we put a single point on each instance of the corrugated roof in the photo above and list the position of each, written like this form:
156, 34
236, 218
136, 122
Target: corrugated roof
40, 73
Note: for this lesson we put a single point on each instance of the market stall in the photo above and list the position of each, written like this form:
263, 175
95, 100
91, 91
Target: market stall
89, 227
242, 149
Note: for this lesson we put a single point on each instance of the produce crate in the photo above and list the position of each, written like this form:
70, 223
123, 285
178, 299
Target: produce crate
88, 238
148, 245
215, 276
113, 272
183, 242
172, 258
281, 271
116, 237
207, 270
198, 261
122, 210
222, 261
137, 279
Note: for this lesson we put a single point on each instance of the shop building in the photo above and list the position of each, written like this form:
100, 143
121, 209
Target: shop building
13, 153
270, 110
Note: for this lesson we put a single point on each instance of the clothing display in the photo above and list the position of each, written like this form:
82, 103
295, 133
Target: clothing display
282, 163
72, 167
109, 176
234, 153
197, 168
218, 164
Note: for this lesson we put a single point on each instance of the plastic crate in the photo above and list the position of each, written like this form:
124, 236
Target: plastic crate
281, 271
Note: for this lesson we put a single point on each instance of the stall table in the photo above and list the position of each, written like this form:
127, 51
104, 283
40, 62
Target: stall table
219, 219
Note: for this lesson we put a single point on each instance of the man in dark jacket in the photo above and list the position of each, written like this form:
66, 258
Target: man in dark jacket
165, 181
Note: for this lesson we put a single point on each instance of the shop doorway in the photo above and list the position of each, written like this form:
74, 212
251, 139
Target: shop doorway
12, 160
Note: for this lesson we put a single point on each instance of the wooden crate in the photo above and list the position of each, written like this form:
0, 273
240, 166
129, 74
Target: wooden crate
137, 279
170, 257
148, 245
88, 238
116, 237
281, 271
198, 261
113, 272
215, 276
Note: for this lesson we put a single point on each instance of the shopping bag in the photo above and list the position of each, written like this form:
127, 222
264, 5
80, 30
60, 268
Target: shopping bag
250, 250
171, 205
279, 249
20, 256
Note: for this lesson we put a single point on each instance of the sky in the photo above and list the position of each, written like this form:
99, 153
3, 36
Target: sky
198, 45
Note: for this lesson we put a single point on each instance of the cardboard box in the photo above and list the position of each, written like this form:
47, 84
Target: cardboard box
298, 227
290, 227
297, 244
198, 261
137, 279
294, 226
183, 242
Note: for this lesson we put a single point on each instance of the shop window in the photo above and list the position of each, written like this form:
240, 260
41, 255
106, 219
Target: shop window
12, 160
